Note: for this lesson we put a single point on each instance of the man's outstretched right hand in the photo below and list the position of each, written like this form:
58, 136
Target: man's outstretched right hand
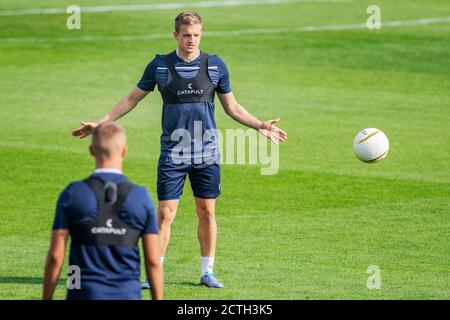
85, 129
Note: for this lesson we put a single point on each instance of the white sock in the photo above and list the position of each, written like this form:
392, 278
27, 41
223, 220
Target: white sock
161, 259
207, 265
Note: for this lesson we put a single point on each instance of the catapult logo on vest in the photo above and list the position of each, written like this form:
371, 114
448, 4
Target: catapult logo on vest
189, 91
108, 229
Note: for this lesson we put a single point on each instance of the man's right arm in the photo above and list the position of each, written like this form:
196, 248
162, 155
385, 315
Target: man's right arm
56, 252
54, 263
125, 105
150, 242
152, 246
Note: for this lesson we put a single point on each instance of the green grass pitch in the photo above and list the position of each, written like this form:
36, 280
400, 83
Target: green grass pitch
308, 232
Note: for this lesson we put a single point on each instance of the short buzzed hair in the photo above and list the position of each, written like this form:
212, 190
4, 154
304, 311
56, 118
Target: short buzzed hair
187, 17
107, 137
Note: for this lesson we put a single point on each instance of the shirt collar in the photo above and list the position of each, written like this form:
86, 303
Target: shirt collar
178, 56
107, 170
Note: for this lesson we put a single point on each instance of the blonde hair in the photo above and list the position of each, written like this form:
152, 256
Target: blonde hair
107, 137
187, 17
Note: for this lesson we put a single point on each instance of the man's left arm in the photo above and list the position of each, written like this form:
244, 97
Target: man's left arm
238, 113
54, 263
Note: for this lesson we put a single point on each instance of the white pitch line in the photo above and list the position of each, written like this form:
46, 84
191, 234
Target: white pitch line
157, 6
156, 36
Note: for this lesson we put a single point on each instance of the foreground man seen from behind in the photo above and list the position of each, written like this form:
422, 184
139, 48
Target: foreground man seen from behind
105, 215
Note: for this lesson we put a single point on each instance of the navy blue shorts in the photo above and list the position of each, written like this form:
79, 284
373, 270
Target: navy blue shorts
204, 178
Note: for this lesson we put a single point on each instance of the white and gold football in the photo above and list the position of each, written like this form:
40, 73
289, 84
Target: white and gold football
371, 145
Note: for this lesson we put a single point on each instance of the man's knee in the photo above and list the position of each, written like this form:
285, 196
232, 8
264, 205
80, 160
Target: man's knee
166, 214
206, 213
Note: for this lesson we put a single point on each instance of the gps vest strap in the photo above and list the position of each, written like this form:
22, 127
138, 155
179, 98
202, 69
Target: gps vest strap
187, 90
107, 228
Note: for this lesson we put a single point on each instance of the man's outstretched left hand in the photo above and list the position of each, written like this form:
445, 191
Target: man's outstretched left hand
272, 132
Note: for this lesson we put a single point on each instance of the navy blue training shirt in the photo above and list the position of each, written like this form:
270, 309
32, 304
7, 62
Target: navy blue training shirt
107, 272
184, 115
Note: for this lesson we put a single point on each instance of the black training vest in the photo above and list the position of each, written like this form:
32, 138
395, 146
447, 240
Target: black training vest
181, 90
107, 228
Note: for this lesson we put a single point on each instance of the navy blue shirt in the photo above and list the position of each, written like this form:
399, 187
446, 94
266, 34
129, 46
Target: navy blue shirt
107, 272
184, 115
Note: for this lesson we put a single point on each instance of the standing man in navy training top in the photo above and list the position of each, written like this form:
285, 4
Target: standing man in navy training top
105, 215
188, 79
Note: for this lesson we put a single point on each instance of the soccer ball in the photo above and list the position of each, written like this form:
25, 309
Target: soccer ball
371, 145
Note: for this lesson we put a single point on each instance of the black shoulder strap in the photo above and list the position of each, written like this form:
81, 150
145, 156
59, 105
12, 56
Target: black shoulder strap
203, 71
170, 65
204, 61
